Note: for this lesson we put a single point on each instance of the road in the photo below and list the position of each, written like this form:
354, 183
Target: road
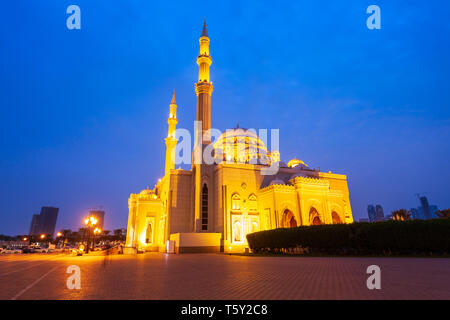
220, 276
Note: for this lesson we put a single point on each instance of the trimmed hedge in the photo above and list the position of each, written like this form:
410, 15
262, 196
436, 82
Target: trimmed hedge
380, 238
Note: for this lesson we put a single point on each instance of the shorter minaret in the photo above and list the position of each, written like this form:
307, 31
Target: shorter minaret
171, 141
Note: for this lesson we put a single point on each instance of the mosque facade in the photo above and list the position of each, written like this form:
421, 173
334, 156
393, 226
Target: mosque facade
212, 207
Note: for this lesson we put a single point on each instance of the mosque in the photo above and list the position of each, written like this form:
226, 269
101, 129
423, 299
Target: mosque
212, 207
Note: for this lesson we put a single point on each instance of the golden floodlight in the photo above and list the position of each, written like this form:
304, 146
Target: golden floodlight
93, 220
90, 221
25, 239
42, 236
59, 234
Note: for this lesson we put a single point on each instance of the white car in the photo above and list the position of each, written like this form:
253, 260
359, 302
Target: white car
41, 250
11, 250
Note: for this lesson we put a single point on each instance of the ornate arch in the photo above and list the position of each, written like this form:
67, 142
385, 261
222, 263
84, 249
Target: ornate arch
335, 218
337, 215
288, 219
287, 205
314, 216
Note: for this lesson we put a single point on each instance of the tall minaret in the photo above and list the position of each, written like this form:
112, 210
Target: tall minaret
204, 88
171, 140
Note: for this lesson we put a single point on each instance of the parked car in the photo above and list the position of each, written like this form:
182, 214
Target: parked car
41, 250
28, 250
12, 250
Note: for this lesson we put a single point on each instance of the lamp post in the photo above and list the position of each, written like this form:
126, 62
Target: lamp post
58, 236
90, 222
96, 231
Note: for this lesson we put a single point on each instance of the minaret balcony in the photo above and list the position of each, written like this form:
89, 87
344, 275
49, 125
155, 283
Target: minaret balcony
204, 59
203, 87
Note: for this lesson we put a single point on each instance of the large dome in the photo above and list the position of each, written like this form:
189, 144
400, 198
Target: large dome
243, 146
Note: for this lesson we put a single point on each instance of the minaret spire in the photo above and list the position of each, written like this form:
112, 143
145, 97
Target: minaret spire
204, 31
171, 140
204, 87
174, 101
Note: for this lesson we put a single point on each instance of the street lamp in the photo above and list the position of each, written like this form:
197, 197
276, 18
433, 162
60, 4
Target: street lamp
96, 231
58, 235
90, 222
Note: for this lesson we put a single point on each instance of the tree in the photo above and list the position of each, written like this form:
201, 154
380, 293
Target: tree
66, 232
443, 214
119, 234
401, 215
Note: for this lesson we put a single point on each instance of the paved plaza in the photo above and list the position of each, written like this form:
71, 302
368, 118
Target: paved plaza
220, 276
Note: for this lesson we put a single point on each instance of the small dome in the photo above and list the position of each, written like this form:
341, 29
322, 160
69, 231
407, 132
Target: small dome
277, 182
146, 192
295, 163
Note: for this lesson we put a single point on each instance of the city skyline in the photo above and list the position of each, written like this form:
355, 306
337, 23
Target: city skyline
100, 134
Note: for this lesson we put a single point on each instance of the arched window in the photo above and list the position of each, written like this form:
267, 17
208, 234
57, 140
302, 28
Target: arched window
149, 234
336, 218
237, 231
235, 202
252, 203
255, 227
205, 207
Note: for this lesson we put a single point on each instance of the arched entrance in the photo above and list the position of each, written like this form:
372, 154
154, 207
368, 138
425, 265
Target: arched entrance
336, 218
149, 234
288, 219
314, 217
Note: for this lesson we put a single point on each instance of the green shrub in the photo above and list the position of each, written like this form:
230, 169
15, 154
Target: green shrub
387, 237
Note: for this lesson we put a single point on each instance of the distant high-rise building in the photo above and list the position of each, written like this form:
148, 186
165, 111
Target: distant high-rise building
34, 227
379, 214
425, 207
45, 222
425, 211
415, 214
100, 215
433, 210
371, 212
421, 213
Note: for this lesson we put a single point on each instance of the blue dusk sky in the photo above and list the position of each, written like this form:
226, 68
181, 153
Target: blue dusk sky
83, 112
